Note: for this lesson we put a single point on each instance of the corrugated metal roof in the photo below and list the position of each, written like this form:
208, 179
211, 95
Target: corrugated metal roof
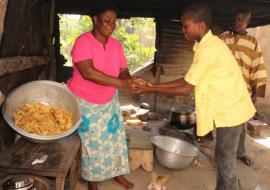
222, 9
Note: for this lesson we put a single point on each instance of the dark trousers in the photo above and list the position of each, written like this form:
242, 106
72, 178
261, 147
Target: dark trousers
241, 146
227, 141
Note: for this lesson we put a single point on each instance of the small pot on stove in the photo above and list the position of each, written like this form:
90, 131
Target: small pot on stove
182, 117
19, 183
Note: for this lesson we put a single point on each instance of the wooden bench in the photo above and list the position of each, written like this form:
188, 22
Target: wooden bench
62, 159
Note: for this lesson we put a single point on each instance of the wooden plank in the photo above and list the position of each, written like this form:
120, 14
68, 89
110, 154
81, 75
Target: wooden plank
8, 83
52, 15
13, 64
3, 8
2, 97
73, 174
23, 36
60, 183
7, 135
61, 154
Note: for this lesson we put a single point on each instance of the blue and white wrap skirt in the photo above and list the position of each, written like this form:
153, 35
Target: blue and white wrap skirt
104, 147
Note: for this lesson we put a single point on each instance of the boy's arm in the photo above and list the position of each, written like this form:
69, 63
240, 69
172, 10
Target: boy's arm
183, 90
176, 83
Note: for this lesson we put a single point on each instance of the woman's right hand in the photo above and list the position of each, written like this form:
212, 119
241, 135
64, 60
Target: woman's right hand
125, 84
138, 83
134, 85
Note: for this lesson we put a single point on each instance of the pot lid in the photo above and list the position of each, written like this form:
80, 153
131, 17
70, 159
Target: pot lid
184, 109
18, 182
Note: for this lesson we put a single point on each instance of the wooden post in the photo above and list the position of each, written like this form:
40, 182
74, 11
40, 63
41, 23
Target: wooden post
2, 97
157, 60
3, 8
52, 66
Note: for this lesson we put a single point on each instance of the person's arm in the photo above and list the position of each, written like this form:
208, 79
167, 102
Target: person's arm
176, 83
88, 72
205, 59
124, 73
184, 90
260, 91
258, 74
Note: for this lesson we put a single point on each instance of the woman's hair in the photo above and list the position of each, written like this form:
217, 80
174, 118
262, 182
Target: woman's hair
97, 11
199, 12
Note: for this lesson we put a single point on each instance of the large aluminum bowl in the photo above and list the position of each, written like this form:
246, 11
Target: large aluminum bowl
47, 92
174, 153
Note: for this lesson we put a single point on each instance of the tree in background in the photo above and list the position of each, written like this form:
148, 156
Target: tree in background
137, 36
71, 26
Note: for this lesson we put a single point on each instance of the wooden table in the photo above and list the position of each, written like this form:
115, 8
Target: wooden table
62, 158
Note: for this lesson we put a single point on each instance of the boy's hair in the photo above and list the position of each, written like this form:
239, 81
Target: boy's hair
97, 11
243, 11
199, 12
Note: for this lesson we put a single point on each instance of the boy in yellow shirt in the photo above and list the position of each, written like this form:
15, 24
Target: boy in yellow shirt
221, 97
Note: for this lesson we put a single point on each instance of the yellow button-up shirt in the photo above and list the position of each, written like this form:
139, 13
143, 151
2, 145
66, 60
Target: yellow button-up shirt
221, 95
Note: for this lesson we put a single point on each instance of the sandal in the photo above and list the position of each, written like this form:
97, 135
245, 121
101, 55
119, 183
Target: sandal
246, 160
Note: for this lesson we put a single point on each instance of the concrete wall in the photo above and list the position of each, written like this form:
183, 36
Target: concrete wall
263, 35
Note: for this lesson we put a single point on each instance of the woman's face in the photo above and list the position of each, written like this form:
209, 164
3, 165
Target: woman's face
105, 23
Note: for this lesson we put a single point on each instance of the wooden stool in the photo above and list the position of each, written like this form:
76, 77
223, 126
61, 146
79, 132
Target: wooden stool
142, 158
255, 127
62, 159
140, 152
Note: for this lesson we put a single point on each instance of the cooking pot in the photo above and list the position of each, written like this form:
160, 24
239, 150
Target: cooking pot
182, 117
19, 183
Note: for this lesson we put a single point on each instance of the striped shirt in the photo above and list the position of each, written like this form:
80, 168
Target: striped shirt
248, 54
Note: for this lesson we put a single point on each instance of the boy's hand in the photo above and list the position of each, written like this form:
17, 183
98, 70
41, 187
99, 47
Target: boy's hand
137, 83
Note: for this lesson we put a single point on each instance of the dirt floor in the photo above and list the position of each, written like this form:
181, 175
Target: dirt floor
202, 175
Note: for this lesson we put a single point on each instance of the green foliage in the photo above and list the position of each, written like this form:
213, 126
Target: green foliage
130, 32
70, 28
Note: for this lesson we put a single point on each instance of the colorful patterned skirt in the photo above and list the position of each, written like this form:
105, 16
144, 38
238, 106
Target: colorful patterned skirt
104, 149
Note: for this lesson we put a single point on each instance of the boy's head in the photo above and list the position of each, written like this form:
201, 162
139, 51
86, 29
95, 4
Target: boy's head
241, 20
196, 20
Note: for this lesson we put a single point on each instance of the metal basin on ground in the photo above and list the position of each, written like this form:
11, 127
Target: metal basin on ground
43, 91
174, 153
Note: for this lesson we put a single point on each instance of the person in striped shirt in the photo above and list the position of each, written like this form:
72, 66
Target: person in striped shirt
247, 51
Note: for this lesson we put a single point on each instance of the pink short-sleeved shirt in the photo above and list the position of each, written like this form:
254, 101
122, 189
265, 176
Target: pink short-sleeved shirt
108, 60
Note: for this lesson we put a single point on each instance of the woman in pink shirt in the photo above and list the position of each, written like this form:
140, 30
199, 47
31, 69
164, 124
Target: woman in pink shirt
99, 69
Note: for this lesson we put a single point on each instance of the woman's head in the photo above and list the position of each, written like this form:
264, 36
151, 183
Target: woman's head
196, 20
104, 20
